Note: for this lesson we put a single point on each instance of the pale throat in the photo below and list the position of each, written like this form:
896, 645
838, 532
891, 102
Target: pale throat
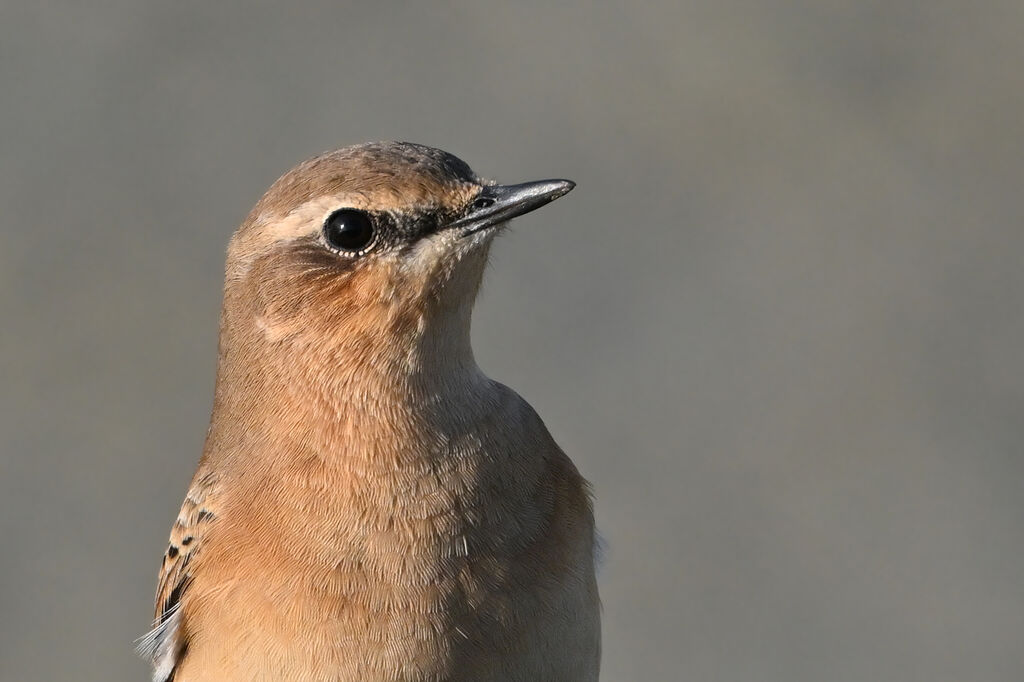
408, 355
407, 359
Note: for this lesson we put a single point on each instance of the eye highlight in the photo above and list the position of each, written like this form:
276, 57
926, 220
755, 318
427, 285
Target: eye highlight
349, 231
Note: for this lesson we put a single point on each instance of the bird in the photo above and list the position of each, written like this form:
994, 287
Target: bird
369, 505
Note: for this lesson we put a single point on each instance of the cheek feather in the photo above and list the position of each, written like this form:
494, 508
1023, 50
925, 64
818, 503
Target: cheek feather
311, 296
272, 331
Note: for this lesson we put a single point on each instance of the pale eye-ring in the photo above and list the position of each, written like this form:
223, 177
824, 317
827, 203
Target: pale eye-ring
349, 230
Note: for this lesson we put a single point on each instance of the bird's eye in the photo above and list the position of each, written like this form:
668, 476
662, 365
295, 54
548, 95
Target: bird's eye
349, 230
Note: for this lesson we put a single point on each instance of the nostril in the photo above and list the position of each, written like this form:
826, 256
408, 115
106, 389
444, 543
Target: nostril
482, 202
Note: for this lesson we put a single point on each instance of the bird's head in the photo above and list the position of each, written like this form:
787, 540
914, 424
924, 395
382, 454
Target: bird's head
373, 247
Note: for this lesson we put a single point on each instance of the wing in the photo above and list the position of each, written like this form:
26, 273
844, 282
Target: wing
165, 644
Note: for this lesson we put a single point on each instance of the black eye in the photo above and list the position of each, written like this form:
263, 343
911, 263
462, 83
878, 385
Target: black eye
348, 230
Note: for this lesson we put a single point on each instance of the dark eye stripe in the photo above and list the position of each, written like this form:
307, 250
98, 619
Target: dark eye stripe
345, 232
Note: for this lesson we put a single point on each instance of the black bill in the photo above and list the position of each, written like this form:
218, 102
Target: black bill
498, 203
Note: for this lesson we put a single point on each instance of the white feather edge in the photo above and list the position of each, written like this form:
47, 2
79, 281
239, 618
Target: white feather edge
160, 645
600, 552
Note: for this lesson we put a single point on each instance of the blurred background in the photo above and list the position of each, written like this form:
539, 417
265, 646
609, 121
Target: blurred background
779, 324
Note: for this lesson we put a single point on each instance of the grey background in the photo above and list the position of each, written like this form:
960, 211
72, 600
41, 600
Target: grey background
778, 325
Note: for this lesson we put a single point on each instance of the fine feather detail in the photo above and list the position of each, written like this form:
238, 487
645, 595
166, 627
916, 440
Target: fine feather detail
161, 645
165, 644
600, 552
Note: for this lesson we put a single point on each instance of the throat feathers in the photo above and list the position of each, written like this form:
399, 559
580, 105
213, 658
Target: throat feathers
369, 505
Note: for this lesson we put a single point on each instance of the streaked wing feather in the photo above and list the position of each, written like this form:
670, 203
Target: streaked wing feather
166, 642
